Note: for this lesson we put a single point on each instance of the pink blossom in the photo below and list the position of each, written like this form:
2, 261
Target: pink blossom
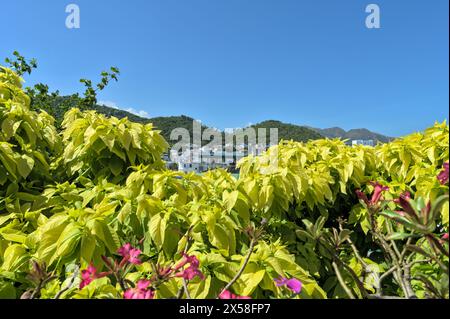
293, 284
134, 254
88, 275
405, 195
444, 174
403, 201
226, 294
190, 272
130, 254
376, 196
192, 260
445, 237
362, 196
125, 250
141, 291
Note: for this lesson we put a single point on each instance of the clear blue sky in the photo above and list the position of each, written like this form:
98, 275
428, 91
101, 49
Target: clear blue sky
234, 62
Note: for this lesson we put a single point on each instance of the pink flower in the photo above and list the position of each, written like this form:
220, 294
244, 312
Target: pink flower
125, 250
376, 196
405, 195
134, 254
141, 291
403, 201
293, 284
443, 175
445, 237
362, 197
226, 294
130, 254
187, 260
190, 272
88, 275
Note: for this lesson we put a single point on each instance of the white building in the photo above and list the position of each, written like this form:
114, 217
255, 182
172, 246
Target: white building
363, 142
205, 160
191, 167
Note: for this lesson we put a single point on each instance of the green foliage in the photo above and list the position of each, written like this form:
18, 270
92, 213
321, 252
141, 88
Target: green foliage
107, 147
20, 65
288, 131
69, 196
29, 144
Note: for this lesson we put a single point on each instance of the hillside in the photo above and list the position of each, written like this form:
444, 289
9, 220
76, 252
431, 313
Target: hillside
288, 131
353, 134
56, 106
168, 123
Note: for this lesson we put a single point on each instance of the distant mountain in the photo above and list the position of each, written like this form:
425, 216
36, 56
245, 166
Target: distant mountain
353, 134
166, 124
285, 131
288, 131
56, 106
332, 132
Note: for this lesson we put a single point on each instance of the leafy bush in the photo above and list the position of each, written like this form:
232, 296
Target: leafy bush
89, 211
107, 146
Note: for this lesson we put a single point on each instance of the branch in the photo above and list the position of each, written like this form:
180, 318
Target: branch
72, 280
434, 242
342, 282
387, 273
247, 258
41, 285
426, 254
355, 250
184, 287
407, 281
180, 293
394, 257
346, 267
394, 245
429, 285
186, 291
355, 277
405, 249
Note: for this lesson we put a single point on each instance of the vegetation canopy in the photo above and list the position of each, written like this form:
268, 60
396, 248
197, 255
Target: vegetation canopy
88, 210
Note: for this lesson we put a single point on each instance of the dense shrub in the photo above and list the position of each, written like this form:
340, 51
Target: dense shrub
90, 212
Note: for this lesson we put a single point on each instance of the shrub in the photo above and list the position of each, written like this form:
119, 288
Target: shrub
89, 211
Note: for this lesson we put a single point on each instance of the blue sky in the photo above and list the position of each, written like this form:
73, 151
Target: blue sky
233, 62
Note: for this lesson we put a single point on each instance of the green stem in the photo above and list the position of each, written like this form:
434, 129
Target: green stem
342, 282
239, 273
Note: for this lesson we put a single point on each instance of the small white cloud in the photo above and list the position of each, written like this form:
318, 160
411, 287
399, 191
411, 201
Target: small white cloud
108, 104
114, 105
140, 113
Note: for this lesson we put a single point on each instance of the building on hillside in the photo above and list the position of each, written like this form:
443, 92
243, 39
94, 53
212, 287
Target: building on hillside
204, 160
363, 142
190, 167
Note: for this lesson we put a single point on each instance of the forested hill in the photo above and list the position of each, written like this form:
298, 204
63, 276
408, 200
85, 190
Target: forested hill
353, 134
58, 105
289, 131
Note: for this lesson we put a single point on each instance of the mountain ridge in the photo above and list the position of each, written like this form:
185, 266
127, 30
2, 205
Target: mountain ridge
353, 134
166, 124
